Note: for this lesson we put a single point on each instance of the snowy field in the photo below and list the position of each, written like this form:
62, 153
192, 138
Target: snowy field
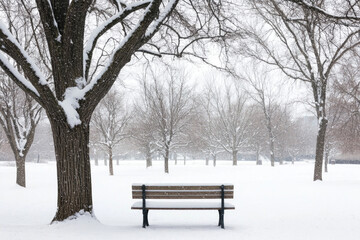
281, 203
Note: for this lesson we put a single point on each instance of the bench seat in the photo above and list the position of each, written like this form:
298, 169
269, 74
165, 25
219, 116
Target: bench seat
164, 205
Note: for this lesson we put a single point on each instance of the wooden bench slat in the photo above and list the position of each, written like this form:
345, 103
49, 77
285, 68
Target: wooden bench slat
212, 194
175, 187
167, 205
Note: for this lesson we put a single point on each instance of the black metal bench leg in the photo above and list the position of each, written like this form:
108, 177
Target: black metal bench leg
147, 217
144, 218
221, 218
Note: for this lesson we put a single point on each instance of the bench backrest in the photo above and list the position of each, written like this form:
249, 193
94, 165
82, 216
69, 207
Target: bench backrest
178, 191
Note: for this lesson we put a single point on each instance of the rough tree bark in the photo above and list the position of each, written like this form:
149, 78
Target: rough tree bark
20, 171
320, 143
73, 168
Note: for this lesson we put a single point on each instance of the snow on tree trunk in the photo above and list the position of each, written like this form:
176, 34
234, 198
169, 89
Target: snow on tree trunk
20, 171
73, 169
207, 161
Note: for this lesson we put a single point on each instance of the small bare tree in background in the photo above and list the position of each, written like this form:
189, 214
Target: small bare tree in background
259, 135
111, 119
143, 130
262, 92
346, 104
232, 119
171, 104
19, 116
209, 133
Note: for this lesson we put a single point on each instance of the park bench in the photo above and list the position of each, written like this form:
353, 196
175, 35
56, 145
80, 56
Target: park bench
183, 192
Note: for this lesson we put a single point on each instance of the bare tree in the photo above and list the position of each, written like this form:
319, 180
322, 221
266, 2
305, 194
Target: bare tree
297, 41
111, 119
171, 104
143, 129
342, 12
86, 59
345, 105
209, 133
19, 116
232, 119
19, 113
259, 135
265, 96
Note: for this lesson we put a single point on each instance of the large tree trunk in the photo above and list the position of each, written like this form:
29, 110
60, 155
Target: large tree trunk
73, 169
20, 171
111, 166
234, 157
320, 144
207, 161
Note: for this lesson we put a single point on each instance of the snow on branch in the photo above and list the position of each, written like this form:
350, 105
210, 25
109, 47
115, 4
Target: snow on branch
103, 28
9, 41
164, 14
8, 68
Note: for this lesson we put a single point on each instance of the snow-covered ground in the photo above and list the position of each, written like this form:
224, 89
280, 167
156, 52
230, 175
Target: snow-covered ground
271, 203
